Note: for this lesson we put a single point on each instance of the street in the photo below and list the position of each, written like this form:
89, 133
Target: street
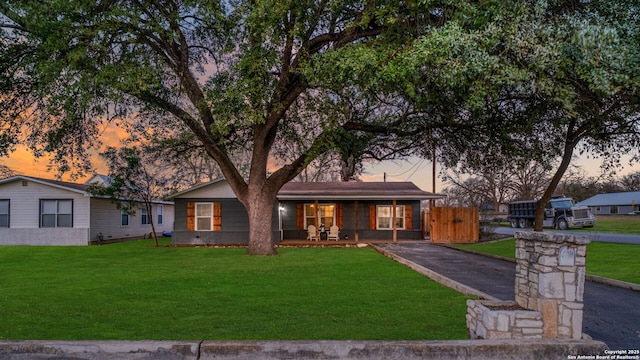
593, 236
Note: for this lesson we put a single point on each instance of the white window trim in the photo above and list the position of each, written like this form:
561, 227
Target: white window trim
306, 217
196, 217
160, 214
390, 218
8, 213
57, 213
146, 215
123, 213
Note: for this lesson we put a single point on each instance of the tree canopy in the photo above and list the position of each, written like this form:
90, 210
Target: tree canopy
478, 81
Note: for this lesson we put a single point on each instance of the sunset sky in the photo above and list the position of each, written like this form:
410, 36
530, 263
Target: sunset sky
415, 170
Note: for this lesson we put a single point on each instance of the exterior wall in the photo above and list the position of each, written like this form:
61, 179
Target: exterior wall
106, 220
24, 216
234, 224
350, 223
606, 209
45, 236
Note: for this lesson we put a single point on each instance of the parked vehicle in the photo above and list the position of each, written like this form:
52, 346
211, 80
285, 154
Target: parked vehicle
559, 213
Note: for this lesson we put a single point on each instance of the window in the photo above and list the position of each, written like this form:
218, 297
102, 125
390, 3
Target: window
4, 213
326, 213
384, 219
160, 213
204, 216
124, 218
144, 216
56, 213
614, 209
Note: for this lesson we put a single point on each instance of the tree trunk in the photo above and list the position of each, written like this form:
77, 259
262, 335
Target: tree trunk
259, 205
564, 165
153, 227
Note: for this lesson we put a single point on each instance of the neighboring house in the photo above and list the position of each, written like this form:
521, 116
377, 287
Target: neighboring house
211, 214
613, 203
35, 211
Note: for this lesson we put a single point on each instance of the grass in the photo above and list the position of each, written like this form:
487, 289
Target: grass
616, 224
134, 291
611, 224
615, 261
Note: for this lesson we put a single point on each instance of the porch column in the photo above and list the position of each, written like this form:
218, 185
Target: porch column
356, 224
393, 218
317, 220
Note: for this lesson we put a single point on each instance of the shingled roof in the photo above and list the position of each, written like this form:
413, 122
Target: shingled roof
354, 191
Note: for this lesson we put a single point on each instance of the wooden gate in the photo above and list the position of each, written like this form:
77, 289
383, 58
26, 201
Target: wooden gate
454, 225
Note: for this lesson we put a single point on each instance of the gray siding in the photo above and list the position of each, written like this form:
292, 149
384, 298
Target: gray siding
290, 231
234, 224
606, 209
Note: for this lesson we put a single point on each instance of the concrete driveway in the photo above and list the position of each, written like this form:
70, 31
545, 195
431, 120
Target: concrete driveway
611, 314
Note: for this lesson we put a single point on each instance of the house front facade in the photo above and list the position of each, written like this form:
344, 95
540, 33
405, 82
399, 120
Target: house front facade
35, 211
211, 214
620, 203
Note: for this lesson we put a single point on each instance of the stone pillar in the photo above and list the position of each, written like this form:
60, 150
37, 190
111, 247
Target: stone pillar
550, 272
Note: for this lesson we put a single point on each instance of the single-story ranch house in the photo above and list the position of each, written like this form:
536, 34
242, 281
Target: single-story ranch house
210, 213
35, 211
613, 203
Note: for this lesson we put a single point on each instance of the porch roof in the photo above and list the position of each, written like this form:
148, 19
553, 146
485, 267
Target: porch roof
354, 191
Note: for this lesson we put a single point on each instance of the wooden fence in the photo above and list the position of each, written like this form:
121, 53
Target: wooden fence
454, 225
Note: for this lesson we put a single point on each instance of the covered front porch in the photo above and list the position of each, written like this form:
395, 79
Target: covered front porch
360, 212
343, 243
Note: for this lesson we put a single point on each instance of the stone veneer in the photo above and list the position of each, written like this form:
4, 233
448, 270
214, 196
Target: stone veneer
549, 286
502, 320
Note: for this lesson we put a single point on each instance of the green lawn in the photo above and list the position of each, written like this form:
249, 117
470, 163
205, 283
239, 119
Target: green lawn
612, 224
615, 261
616, 224
135, 291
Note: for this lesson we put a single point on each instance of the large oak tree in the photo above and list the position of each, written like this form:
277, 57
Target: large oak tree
228, 71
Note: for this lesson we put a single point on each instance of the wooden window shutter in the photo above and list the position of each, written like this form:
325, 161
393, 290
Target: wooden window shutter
191, 216
372, 217
407, 217
300, 216
217, 216
339, 215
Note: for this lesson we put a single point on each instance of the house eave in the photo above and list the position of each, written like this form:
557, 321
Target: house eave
369, 197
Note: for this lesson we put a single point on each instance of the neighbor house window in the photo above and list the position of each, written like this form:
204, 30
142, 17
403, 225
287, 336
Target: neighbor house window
204, 217
144, 216
385, 217
160, 213
124, 218
4, 213
614, 209
56, 213
326, 214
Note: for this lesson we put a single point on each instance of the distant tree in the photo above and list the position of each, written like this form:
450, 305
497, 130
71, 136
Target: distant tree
5, 171
630, 182
492, 186
135, 182
529, 181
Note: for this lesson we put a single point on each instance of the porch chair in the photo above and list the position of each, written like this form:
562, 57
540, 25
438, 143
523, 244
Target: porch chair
311, 233
333, 233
